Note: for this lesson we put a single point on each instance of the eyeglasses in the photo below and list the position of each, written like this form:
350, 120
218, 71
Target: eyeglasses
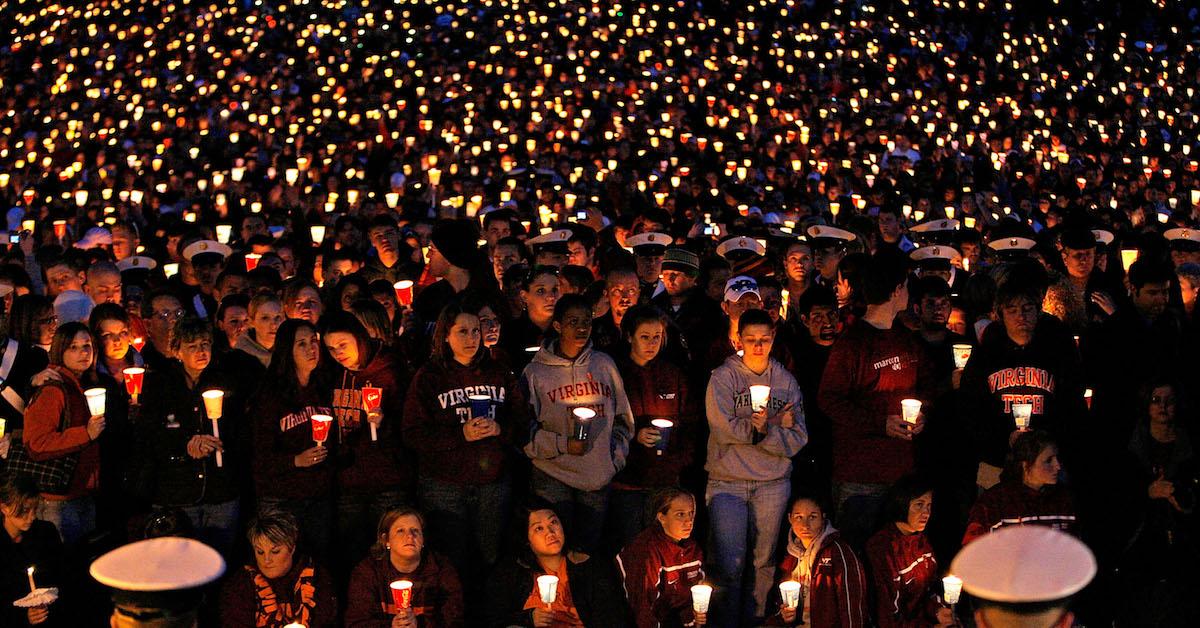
48, 320
168, 315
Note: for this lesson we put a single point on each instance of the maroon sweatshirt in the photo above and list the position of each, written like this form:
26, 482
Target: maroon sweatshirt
366, 466
1012, 503
241, 597
282, 429
658, 574
905, 574
438, 404
437, 597
658, 390
869, 371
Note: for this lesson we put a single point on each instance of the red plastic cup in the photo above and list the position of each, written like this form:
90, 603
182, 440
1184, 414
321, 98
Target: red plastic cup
252, 261
402, 593
404, 292
320, 427
138, 343
60, 229
372, 398
133, 380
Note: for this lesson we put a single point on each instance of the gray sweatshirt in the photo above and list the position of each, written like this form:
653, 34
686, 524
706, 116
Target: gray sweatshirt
556, 386
735, 452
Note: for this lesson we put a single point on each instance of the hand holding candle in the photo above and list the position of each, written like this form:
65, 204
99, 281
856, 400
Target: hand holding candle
95, 400
789, 593
320, 428
583, 422
214, 401
547, 589
759, 396
701, 595
910, 409
402, 594
32, 584
404, 292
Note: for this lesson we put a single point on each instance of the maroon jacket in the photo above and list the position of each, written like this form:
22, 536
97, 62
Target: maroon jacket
1011, 502
905, 574
839, 586
658, 391
869, 371
367, 466
658, 574
240, 596
436, 408
437, 596
282, 429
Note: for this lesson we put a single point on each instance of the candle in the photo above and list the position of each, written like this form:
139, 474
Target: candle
1128, 257
701, 594
789, 592
952, 589
170, 269
317, 232
402, 593
3, 424
252, 261
138, 343
962, 353
1021, 414
60, 229
759, 395
1087, 398
481, 406
213, 405
320, 427
583, 419
32, 584
404, 292
133, 381
223, 233
372, 399
547, 589
910, 408
95, 400
664, 433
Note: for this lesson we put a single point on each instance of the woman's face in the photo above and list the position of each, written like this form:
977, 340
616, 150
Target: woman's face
464, 337
114, 338
79, 354
647, 341
306, 306
44, 327
541, 296
489, 327
405, 538
807, 520
546, 536
350, 293
305, 350
677, 522
344, 348
919, 510
1044, 469
20, 515
273, 560
267, 319
1162, 405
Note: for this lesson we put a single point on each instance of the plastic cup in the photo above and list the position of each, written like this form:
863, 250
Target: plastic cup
171, 269
547, 588
951, 589
133, 381
138, 343
789, 592
910, 409
60, 229
95, 400
759, 395
320, 427
962, 353
583, 422
372, 400
404, 292
1087, 397
223, 233
1021, 414
664, 431
252, 261
481, 406
3, 425
214, 402
401, 593
701, 595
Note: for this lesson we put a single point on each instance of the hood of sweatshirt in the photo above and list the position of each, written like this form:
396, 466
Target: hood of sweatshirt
247, 343
547, 356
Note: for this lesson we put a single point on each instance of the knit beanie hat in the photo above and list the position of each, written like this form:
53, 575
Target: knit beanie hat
457, 241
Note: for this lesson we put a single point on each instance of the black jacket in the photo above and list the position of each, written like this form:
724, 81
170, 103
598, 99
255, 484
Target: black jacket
597, 596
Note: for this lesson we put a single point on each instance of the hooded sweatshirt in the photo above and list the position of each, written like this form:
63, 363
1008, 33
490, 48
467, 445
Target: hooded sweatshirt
556, 386
834, 587
735, 451
367, 466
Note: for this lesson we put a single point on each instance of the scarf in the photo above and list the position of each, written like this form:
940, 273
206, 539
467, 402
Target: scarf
273, 612
805, 557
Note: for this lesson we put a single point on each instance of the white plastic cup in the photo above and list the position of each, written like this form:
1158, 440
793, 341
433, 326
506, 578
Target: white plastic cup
95, 400
214, 402
1021, 414
951, 589
548, 588
701, 595
962, 353
759, 395
910, 409
789, 591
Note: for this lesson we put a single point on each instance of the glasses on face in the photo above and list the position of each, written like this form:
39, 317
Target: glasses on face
47, 320
170, 315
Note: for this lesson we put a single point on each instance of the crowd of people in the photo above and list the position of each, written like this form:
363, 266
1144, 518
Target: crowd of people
464, 295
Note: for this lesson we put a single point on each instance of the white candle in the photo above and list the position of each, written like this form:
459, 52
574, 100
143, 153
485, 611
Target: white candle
547, 588
910, 408
759, 395
701, 594
952, 588
1021, 414
962, 353
95, 400
789, 591
32, 584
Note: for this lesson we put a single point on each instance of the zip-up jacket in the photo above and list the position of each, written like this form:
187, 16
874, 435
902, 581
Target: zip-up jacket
658, 574
838, 595
904, 572
1012, 503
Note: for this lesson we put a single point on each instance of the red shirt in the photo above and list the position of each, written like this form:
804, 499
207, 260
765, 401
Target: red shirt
46, 439
905, 574
1013, 503
658, 574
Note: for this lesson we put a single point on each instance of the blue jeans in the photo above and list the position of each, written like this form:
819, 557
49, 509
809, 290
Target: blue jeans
315, 516
465, 522
626, 516
74, 518
859, 507
581, 512
215, 524
745, 521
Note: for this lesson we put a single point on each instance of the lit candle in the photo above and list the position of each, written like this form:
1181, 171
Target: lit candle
95, 400
213, 405
133, 381
1022, 412
759, 395
952, 589
910, 409
701, 594
583, 419
547, 589
789, 592
32, 584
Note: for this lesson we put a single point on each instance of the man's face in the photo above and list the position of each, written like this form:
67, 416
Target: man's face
934, 312
578, 255
550, 258
104, 287
677, 282
233, 284
649, 267
772, 301
798, 265
252, 226
206, 273
1151, 299
167, 310
889, 227
233, 324
60, 278
622, 293
735, 309
496, 230
124, 243
1079, 262
386, 240
1179, 258
1189, 289
821, 323
756, 340
1019, 317
338, 269
827, 260
504, 257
